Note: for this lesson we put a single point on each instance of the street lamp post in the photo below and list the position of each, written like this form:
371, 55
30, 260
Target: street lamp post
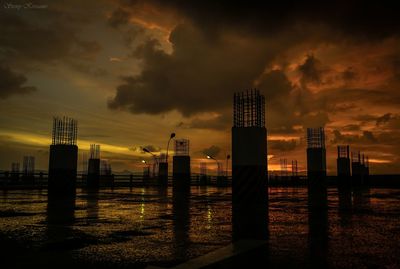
146, 171
154, 156
226, 168
155, 160
169, 140
212, 158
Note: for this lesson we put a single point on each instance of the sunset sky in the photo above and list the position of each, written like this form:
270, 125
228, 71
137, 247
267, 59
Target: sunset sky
132, 72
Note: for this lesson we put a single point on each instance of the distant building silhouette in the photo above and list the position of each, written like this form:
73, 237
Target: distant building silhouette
93, 178
295, 169
28, 166
15, 171
284, 167
249, 166
203, 173
63, 157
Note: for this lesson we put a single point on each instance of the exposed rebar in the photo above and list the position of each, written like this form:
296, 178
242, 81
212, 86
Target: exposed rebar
248, 109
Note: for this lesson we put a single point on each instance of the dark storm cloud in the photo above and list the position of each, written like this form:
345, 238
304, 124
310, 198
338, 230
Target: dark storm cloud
214, 57
31, 40
12, 83
383, 119
367, 137
356, 19
336, 96
275, 85
212, 151
378, 120
282, 145
349, 75
151, 148
310, 70
119, 17
89, 69
22, 39
221, 122
351, 127
198, 76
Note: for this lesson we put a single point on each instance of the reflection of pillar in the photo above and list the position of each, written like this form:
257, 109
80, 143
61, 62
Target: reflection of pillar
361, 199
318, 237
249, 167
60, 218
61, 210
181, 223
92, 205
345, 202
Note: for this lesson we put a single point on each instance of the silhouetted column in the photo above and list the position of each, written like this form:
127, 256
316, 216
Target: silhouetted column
93, 178
343, 167
63, 159
181, 164
316, 168
360, 169
163, 174
249, 167
344, 178
62, 169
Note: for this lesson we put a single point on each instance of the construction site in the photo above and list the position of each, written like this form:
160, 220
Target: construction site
168, 216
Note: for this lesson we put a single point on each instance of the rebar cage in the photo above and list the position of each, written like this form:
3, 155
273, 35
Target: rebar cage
315, 137
248, 109
64, 131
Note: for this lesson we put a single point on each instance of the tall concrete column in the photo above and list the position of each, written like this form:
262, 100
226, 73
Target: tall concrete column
316, 168
249, 167
343, 166
181, 165
163, 174
63, 159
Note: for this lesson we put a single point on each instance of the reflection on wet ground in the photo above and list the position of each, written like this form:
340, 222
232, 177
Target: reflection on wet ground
124, 228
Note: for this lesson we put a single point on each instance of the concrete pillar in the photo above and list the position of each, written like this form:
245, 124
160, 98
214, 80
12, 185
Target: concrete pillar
181, 171
358, 170
316, 169
343, 167
93, 178
249, 168
63, 162
163, 174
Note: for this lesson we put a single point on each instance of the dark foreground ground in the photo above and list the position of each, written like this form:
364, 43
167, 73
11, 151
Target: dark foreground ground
126, 228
